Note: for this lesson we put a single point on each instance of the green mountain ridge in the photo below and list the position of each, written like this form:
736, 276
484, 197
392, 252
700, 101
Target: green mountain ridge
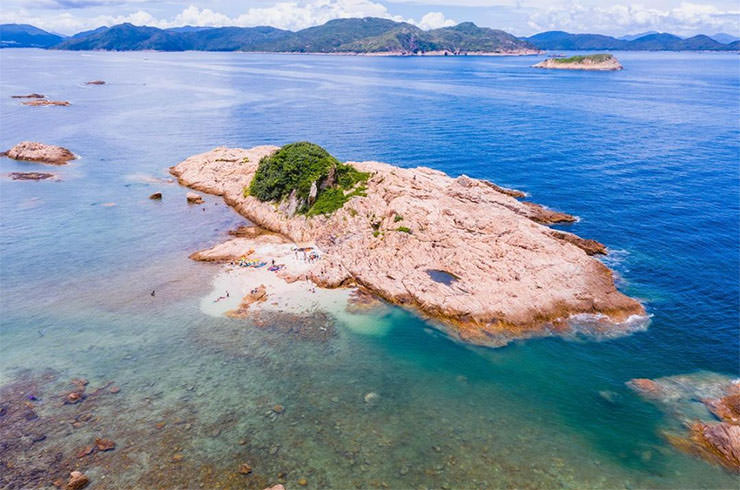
353, 35
659, 41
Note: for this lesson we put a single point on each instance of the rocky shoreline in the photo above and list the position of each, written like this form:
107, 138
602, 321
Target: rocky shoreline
513, 277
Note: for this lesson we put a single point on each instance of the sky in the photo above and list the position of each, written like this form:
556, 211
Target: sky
520, 17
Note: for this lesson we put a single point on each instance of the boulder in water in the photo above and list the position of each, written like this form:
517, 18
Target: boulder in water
31, 151
77, 480
194, 198
104, 444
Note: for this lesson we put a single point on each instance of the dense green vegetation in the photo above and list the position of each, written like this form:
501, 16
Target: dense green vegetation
595, 58
362, 35
299, 167
366, 35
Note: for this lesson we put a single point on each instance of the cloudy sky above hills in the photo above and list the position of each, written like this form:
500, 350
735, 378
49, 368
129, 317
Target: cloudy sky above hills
520, 17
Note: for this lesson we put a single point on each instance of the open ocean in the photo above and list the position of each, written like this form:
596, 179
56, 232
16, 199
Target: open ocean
648, 158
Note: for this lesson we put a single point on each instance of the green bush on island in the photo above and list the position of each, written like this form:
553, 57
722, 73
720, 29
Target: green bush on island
404, 229
297, 167
595, 58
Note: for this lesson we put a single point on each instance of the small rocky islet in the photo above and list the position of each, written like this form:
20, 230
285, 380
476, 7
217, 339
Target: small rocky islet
592, 62
31, 151
31, 176
383, 228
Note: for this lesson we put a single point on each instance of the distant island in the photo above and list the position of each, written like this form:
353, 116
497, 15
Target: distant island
463, 252
368, 35
657, 41
592, 62
341, 36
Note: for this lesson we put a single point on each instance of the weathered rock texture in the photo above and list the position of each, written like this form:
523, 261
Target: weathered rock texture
515, 277
38, 152
235, 248
707, 405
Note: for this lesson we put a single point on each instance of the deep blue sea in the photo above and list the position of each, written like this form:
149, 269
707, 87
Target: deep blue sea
648, 158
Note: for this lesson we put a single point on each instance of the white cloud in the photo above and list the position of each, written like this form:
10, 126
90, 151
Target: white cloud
435, 20
599, 16
684, 19
293, 15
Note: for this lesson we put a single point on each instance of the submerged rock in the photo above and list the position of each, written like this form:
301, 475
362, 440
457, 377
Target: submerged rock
515, 277
371, 398
77, 480
32, 151
74, 397
29, 96
104, 444
696, 401
30, 175
85, 451
157, 196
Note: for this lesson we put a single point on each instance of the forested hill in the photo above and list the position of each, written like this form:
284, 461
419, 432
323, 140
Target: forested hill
368, 35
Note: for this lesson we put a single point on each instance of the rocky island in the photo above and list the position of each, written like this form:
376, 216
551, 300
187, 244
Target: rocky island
461, 251
31, 151
592, 62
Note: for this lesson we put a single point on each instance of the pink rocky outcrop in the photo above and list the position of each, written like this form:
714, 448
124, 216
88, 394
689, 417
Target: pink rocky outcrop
514, 277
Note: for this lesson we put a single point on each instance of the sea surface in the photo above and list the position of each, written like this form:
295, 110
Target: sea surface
647, 158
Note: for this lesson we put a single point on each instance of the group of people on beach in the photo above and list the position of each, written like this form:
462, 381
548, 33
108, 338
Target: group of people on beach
309, 254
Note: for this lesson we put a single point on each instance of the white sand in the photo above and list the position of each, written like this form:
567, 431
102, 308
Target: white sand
299, 297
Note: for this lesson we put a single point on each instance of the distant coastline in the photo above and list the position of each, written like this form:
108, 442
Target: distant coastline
350, 36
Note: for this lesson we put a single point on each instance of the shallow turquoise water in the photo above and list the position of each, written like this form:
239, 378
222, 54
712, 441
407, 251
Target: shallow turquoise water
647, 158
